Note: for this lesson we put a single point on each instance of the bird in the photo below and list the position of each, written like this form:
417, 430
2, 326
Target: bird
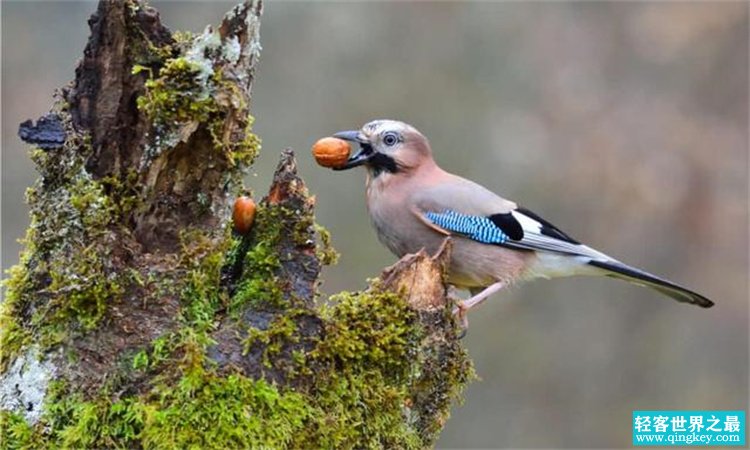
414, 204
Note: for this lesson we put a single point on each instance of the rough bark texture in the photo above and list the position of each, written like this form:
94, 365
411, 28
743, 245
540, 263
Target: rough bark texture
138, 318
103, 96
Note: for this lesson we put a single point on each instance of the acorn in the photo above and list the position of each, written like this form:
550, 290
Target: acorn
243, 214
331, 152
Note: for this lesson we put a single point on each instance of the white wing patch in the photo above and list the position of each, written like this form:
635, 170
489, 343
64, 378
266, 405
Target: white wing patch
534, 239
527, 223
555, 257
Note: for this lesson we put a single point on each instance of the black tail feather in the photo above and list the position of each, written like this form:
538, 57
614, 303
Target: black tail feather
679, 293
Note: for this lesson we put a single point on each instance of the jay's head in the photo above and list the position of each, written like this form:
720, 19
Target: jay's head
387, 146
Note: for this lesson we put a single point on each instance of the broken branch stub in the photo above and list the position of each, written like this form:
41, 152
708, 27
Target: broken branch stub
299, 265
284, 228
421, 278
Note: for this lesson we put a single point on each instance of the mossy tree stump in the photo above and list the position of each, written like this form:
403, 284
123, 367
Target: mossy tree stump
138, 318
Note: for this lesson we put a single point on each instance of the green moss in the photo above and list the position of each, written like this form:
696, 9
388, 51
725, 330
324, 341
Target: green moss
368, 350
361, 411
140, 360
231, 412
15, 433
202, 256
122, 193
243, 152
367, 375
80, 291
65, 279
201, 411
13, 336
366, 372
370, 331
190, 90
75, 279
260, 255
72, 422
183, 38
175, 95
355, 385
325, 252
258, 285
351, 385
281, 332
93, 206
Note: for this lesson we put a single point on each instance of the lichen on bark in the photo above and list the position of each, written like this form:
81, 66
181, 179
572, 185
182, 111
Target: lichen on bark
151, 323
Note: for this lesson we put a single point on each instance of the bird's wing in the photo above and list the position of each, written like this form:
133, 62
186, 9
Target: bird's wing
467, 209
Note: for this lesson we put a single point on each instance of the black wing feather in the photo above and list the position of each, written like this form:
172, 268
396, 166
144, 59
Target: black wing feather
508, 224
547, 228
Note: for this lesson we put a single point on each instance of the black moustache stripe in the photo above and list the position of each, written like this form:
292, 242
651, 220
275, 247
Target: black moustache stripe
382, 163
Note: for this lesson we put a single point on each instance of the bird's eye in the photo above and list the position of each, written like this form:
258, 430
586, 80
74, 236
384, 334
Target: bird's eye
390, 139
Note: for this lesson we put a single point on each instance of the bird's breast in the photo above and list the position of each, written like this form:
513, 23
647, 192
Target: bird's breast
395, 223
473, 264
400, 230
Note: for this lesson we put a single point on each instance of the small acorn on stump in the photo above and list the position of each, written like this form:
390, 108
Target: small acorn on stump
331, 152
243, 214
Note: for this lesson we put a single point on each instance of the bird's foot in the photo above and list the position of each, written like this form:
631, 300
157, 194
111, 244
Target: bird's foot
462, 307
460, 311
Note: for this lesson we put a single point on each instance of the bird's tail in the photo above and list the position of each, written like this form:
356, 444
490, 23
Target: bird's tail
619, 270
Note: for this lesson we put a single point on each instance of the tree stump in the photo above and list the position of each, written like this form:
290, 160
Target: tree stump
137, 317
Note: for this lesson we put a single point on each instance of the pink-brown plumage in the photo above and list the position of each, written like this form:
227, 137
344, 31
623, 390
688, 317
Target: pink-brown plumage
396, 204
414, 205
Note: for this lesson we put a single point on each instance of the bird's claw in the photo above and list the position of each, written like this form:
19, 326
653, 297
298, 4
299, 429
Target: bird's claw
461, 312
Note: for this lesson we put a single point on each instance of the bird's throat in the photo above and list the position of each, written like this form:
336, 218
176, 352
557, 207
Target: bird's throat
379, 163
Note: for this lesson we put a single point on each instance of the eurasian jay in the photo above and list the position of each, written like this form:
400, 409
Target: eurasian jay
415, 204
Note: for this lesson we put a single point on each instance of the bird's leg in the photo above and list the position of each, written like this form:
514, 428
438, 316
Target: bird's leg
452, 294
483, 295
463, 307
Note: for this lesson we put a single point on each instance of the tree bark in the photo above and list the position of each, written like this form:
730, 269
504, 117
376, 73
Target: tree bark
138, 318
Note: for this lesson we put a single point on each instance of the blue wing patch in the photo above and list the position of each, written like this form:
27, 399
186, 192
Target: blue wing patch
480, 229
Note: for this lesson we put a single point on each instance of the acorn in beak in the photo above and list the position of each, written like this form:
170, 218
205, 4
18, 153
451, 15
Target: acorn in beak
365, 149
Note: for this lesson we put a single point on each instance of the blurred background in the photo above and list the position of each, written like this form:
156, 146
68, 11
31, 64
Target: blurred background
625, 124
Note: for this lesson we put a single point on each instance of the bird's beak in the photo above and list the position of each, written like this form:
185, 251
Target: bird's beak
365, 149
